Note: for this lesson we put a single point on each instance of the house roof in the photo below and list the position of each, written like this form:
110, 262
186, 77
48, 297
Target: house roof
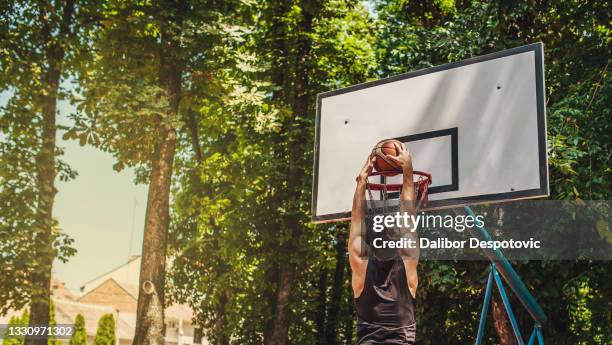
129, 289
59, 290
132, 258
66, 311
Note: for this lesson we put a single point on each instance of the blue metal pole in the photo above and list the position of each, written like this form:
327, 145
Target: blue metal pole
539, 334
532, 338
485, 307
507, 271
513, 322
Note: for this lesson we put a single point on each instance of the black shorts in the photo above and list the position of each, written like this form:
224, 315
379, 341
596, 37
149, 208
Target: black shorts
373, 334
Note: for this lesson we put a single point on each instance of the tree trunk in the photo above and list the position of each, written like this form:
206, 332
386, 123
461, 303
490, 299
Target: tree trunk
45, 163
270, 275
193, 134
222, 334
277, 37
295, 174
150, 326
296, 134
283, 295
221, 337
501, 323
150, 311
337, 288
321, 300
349, 327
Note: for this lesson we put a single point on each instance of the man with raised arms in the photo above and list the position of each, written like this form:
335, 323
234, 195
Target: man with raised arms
384, 284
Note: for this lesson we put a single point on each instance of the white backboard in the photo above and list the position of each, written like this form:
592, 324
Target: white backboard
478, 126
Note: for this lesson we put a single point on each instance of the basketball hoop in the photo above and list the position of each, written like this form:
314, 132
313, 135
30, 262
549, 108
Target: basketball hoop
421, 186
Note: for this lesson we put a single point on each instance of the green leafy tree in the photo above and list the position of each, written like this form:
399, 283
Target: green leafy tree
105, 334
79, 337
136, 100
415, 35
233, 207
38, 39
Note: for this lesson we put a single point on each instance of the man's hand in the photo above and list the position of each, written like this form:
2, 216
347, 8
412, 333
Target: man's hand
366, 170
403, 159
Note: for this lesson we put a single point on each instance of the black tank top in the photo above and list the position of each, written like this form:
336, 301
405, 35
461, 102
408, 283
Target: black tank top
385, 308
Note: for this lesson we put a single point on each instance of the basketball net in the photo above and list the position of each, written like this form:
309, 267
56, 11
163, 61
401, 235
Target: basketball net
421, 188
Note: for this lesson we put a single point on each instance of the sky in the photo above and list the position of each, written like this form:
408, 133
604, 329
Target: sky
102, 210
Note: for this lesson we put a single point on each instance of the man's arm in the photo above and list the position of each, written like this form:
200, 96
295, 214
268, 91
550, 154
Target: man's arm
358, 265
408, 205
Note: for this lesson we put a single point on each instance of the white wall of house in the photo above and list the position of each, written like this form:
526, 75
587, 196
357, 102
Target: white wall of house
181, 332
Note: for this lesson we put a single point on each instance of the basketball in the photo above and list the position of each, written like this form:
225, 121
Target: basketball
382, 163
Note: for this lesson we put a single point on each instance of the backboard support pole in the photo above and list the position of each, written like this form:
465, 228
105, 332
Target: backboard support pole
517, 285
485, 307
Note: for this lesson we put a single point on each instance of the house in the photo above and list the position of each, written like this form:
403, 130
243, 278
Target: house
116, 292
118, 289
121, 296
66, 312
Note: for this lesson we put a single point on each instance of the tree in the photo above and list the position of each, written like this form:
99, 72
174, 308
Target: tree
79, 337
302, 67
130, 108
37, 40
105, 334
52, 338
292, 172
228, 207
135, 101
332, 324
416, 35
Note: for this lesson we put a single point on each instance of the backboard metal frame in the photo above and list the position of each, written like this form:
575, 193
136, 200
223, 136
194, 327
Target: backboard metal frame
543, 189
